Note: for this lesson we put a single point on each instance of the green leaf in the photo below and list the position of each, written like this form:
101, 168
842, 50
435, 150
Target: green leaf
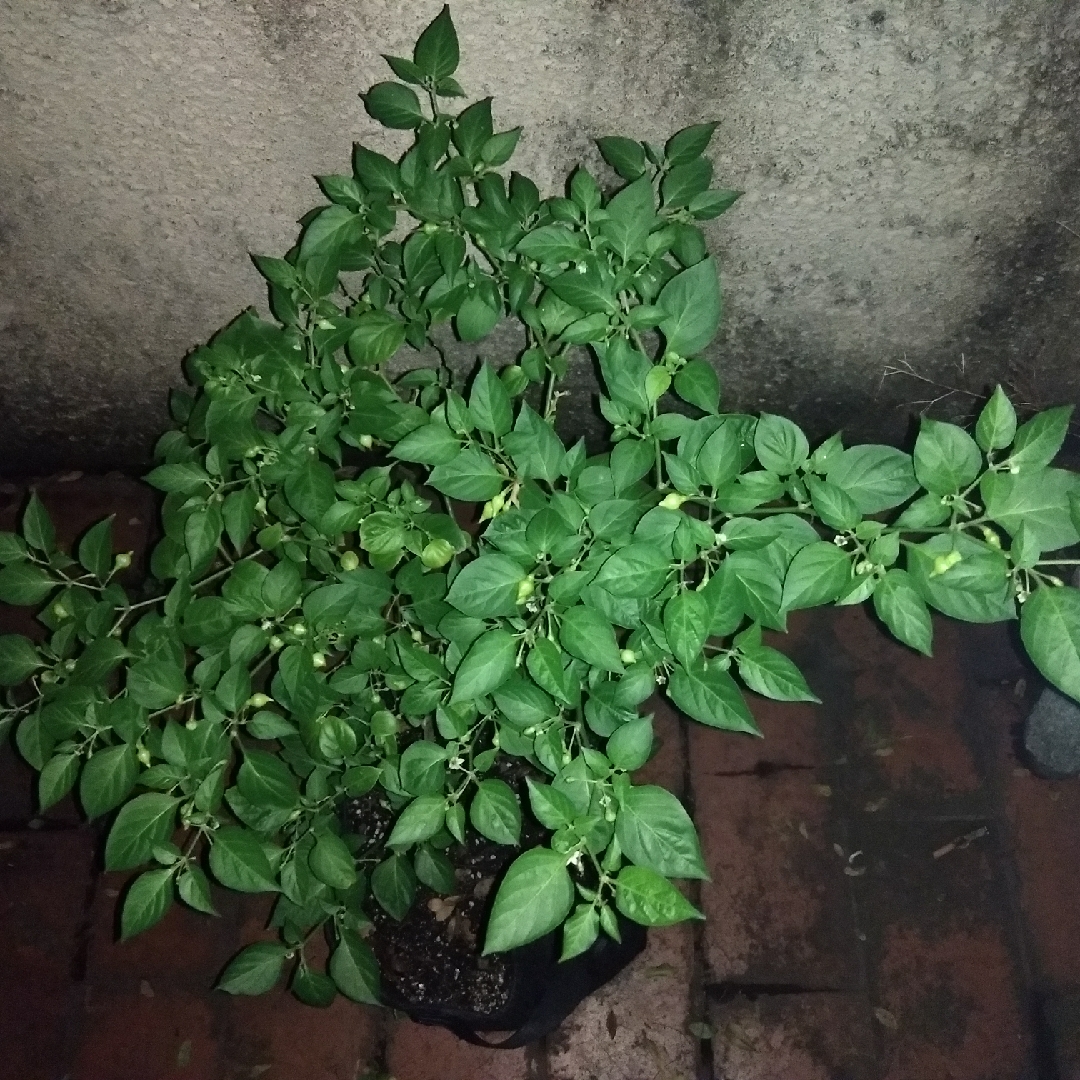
585, 287
194, 889
637, 570
420, 820
238, 515
495, 812
625, 156
156, 684
95, 549
686, 181
432, 444
436, 52
354, 969
773, 675
486, 666
900, 607
201, 533
472, 129
394, 105
185, 478
500, 148
686, 625
875, 477
331, 234
631, 216
34, 740
1039, 499
630, 745
698, 383
98, 660
145, 821
434, 869
107, 779
550, 806
378, 335
255, 970
147, 900
586, 634
37, 527
238, 861
757, 586
1038, 441
649, 898
265, 780
12, 548
535, 897
18, 659
476, 318
470, 477
711, 204
313, 987
780, 445
310, 489
487, 587
281, 588
997, 422
631, 459
655, 831
393, 884
710, 696
332, 862
423, 768
57, 778
1050, 630
23, 584
689, 143
580, 931
962, 602
947, 458
551, 245
489, 403
382, 533
817, 575
692, 301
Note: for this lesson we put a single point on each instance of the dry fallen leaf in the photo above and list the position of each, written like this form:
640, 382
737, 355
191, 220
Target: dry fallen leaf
886, 1019
823, 790
146, 989
875, 805
442, 907
183, 1055
659, 971
883, 751
803, 831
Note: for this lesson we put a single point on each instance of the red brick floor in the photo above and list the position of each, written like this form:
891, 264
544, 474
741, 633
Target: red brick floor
894, 896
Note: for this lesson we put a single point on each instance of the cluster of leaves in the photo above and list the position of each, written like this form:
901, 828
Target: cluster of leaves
323, 633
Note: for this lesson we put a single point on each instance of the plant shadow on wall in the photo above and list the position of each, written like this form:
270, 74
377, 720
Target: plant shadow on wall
319, 630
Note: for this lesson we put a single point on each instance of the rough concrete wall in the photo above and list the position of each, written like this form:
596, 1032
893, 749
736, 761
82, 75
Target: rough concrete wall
910, 169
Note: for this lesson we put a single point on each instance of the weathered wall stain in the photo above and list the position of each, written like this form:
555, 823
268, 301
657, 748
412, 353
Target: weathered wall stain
907, 164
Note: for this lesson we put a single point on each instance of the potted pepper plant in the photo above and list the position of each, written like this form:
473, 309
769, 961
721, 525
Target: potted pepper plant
391, 660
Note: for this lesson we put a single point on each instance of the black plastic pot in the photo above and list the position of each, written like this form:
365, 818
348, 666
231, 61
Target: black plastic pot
543, 992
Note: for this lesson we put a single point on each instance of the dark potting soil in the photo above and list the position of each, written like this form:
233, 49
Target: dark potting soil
432, 957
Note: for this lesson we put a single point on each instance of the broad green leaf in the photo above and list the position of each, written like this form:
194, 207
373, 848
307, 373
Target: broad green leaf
552, 244
393, 884
281, 588
687, 616
833, 504
631, 215
1038, 441
586, 634
964, 603
710, 696
486, 666
689, 143
255, 970
147, 900
194, 889
107, 779
423, 768
757, 586
201, 533
475, 318
1050, 630
535, 897
655, 831
238, 861
436, 52
495, 812
145, 821
550, 806
947, 458
310, 489
471, 476
698, 383
876, 477
431, 444
265, 780
12, 548
156, 684
57, 778
684, 182
382, 533
997, 422
184, 478
900, 607
313, 987
637, 570
331, 233
487, 587
1037, 498
780, 444
434, 869
692, 301
817, 575
378, 335
420, 820
354, 969
649, 898
630, 745
624, 155
18, 659
24, 584
98, 661
37, 526
773, 675
95, 549
580, 931
332, 862
393, 105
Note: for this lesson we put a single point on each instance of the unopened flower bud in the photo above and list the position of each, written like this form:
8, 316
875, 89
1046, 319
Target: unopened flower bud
259, 701
350, 560
365, 441
318, 660
628, 656
275, 643
122, 561
672, 501
525, 589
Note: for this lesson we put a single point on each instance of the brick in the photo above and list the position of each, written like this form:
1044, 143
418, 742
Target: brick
276, 1037
941, 956
777, 908
164, 1034
44, 877
817, 1036
635, 1027
418, 1052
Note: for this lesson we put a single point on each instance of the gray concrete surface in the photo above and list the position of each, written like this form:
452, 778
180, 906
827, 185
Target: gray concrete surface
910, 168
